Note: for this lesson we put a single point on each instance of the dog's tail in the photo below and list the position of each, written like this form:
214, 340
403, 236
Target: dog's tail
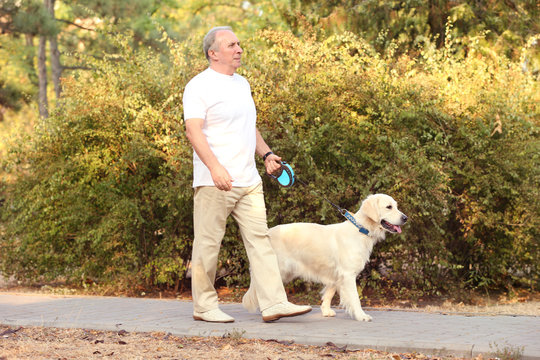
249, 301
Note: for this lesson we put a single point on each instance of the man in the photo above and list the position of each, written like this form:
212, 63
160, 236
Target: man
220, 117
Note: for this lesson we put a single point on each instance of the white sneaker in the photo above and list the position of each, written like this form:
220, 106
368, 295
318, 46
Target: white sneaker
284, 309
215, 315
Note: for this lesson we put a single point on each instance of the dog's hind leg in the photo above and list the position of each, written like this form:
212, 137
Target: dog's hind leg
250, 301
348, 294
327, 295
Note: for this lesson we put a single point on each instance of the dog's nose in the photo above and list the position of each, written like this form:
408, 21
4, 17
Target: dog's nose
404, 218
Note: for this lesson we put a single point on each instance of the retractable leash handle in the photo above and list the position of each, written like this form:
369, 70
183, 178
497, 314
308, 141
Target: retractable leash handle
285, 175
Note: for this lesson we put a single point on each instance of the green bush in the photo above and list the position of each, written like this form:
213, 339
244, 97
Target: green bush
454, 140
102, 190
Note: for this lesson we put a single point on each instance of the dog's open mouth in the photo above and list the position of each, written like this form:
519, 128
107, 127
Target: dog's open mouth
391, 227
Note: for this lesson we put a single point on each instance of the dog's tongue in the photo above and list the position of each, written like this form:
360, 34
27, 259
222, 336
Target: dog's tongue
397, 228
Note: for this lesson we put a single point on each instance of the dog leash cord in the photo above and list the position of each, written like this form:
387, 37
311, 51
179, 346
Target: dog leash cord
341, 210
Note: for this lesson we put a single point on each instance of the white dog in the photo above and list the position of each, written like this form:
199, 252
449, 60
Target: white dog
334, 254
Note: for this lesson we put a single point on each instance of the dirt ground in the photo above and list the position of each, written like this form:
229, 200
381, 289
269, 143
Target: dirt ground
78, 344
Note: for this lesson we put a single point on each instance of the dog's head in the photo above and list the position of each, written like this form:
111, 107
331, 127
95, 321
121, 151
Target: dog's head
382, 210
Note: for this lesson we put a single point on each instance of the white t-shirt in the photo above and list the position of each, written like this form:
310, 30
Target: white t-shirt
227, 107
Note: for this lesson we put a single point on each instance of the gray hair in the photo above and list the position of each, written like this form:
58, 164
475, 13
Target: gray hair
210, 39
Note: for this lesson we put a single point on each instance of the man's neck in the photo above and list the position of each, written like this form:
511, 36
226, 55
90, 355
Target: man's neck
225, 70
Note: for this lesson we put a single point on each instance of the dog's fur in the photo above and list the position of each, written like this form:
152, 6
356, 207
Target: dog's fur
334, 254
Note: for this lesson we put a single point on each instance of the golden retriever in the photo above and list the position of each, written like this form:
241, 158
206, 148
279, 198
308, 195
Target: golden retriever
334, 254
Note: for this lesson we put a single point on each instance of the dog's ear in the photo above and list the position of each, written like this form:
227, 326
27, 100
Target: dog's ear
370, 208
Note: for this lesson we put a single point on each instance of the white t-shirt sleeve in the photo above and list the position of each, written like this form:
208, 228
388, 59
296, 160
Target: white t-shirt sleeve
194, 105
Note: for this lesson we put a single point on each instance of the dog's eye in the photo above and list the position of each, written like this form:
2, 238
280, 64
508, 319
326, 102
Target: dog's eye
389, 207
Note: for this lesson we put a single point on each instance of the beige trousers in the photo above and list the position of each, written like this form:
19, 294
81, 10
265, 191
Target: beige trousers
212, 207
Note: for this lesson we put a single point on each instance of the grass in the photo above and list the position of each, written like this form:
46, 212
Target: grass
507, 351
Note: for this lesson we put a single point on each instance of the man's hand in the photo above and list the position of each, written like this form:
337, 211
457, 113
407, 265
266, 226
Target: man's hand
221, 177
272, 163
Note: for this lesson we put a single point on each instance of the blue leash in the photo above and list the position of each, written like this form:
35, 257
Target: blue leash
286, 178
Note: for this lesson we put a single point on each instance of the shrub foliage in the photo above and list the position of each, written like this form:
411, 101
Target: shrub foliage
102, 189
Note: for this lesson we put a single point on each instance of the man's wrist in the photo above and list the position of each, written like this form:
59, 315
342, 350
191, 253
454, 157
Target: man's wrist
266, 155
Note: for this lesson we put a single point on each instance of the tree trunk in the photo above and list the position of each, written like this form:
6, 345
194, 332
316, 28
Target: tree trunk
42, 75
437, 20
56, 66
30, 59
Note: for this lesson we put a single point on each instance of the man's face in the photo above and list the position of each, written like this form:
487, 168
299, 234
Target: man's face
228, 53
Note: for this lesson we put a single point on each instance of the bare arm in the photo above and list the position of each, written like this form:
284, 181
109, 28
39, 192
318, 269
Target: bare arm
272, 162
221, 177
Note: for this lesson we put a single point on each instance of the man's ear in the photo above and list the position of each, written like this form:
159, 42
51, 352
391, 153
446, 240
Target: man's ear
212, 54
370, 208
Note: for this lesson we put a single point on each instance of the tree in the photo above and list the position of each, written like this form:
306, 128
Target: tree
56, 66
409, 23
43, 101
78, 28
28, 18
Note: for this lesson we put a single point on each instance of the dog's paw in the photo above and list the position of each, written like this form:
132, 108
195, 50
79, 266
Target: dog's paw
363, 317
328, 312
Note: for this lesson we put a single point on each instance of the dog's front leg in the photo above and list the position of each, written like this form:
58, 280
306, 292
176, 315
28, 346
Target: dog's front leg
350, 299
328, 294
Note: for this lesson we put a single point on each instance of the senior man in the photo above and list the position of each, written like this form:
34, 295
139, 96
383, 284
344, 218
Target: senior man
220, 118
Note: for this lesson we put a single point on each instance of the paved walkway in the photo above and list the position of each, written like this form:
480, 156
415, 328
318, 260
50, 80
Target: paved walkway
394, 331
